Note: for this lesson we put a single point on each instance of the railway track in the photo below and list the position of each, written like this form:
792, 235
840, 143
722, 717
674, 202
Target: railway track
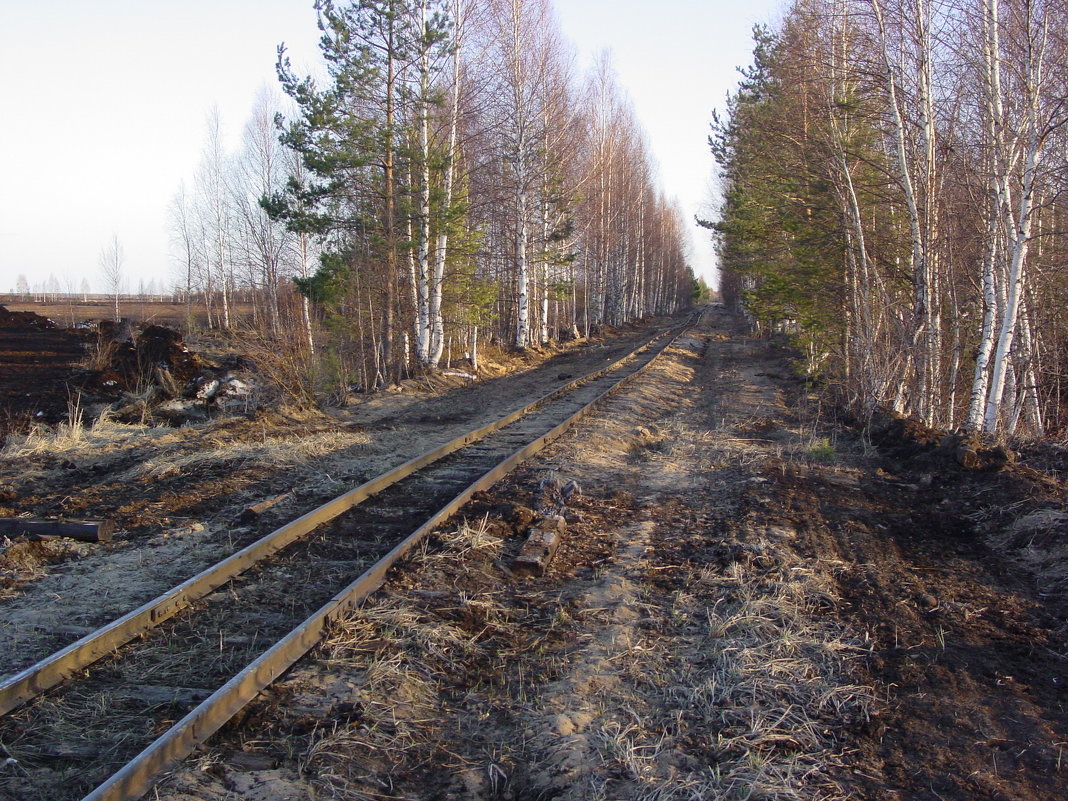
100, 719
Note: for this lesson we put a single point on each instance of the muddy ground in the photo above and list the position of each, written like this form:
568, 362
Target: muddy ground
752, 601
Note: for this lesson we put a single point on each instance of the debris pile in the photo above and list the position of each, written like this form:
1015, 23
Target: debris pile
122, 361
154, 373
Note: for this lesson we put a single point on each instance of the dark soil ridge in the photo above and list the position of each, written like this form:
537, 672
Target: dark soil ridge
54, 375
24, 320
1011, 501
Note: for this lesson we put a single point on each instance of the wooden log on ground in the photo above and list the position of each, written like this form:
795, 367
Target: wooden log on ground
250, 762
64, 750
57, 628
85, 530
257, 509
540, 548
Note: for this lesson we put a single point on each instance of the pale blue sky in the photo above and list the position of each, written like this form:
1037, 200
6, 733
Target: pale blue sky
105, 102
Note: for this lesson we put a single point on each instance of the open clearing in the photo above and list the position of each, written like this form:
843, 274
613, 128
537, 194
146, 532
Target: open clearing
752, 601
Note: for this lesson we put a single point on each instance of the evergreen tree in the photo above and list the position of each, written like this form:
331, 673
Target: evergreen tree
352, 139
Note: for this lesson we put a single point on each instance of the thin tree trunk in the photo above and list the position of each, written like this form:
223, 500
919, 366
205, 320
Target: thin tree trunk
437, 324
1021, 230
390, 212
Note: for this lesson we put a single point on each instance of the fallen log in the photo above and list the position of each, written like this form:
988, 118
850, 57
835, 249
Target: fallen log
64, 750
550, 500
85, 530
540, 548
257, 509
250, 762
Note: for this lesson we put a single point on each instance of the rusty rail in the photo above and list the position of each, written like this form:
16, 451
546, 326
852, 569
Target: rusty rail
137, 777
56, 668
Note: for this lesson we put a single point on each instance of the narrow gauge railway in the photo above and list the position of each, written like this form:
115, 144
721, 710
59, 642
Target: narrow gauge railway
115, 720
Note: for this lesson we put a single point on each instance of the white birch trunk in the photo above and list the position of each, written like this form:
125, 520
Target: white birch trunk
1019, 235
543, 288
981, 377
424, 314
305, 304
520, 169
919, 267
1015, 284
994, 132
437, 326
474, 349
1030, 403
522, 334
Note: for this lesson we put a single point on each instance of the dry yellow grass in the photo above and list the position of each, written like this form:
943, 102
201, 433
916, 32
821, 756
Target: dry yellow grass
275, 451
77, 443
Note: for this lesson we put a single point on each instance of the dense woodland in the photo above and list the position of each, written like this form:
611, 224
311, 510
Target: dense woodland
446, 178
895, 176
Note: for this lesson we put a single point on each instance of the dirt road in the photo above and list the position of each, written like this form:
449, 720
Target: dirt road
751, 602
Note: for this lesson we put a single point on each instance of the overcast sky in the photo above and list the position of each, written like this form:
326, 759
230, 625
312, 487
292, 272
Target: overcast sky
105, 106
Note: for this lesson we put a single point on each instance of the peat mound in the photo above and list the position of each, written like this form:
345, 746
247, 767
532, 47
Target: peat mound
906, 438
37, 362
1012, 502
152, 374
24, 320
127, 362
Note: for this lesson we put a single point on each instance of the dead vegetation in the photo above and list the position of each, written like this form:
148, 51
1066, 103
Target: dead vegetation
454, 686
771, 678
277, 451
73, 440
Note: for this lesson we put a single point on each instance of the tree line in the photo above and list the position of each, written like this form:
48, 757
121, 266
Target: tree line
447, 176
894, 176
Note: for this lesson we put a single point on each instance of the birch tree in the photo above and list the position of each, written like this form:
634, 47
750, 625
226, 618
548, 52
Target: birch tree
940, 131
916, 175
261, 172
434, 36
186, 245
439, 186
112, 262
523, 36
213, 197
1020, 144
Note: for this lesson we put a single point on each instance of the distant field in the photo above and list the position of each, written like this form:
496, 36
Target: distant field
165, 313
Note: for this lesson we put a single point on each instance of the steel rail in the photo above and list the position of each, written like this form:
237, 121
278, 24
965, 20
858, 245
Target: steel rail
137, 777
67, 662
